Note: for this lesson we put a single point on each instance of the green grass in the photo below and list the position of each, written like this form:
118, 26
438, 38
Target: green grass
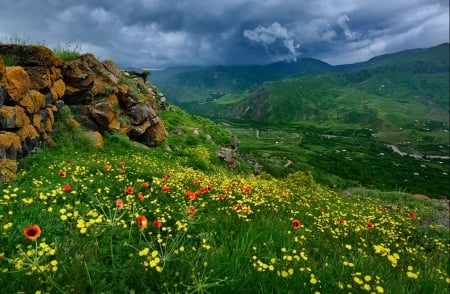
222, 232
68, 51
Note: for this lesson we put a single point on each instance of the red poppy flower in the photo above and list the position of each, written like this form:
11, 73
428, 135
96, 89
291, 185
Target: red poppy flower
370, 225
122, 163
190, 195
342, 221
67, 188
412, 215
296, 224
32, 232
195, 182
221, 196
129, 190
121, 171
237, 208
140, 196
145, 185
107, 167
157, 224
142, 222
119, 203
165, 189
62, 174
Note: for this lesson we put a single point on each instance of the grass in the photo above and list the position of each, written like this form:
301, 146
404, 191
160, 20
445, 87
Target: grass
127, 219
67, 51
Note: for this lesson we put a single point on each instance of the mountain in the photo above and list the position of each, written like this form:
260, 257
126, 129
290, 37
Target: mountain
205, 84
385, 92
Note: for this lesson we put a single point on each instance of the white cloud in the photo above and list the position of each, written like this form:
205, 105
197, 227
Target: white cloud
267, 36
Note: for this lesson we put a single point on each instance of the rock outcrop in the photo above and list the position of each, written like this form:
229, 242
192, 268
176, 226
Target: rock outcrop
102, 97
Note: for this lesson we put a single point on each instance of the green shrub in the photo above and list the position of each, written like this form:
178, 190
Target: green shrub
67, 51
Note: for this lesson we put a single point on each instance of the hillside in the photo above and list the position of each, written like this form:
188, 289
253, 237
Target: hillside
187, 85
398, 99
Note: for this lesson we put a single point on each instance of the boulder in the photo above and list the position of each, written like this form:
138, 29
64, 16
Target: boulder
8, 170
29, 139
154, 135
13, 117
31, 55
97, 138
40, 78
18, 82
229, 156
9, 145
58, 89
32, 102
78, 73
102, 113
140, 113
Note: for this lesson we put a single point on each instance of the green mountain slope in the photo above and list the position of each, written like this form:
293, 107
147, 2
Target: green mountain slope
212, 82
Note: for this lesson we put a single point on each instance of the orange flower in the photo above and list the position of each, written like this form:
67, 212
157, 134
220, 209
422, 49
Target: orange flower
121, 171
412, 215
247, 190
142, 222
157, 224
342, 221
221, 196
296, 224
32, 232
122, 163
140, 196
165, 189
145, 185
129, 190
62, 174
67, 188
107, 167
370, 225
192, 210
119, 203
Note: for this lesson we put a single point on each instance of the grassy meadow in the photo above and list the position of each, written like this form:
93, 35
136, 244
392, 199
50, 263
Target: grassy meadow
128, 219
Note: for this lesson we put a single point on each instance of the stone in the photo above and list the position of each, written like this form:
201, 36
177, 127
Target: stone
78, 73
58, 89
40, 78
3, 96
154, 135
32, 102
228, 155
9, 145
12, 117
8, 170
29, 139
102, 114
18, 82
31, 55
140, 113
97, 138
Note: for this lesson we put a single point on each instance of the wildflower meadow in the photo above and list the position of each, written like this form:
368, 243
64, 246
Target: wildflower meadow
132, 220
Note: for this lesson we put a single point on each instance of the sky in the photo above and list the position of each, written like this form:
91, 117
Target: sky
157, 34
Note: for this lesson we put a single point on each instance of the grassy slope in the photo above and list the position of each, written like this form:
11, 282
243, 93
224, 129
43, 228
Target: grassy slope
235, 236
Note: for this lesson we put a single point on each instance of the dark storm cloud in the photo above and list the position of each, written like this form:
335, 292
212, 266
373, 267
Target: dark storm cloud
159, 33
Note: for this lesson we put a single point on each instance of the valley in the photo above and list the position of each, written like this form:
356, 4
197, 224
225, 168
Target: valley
379, 124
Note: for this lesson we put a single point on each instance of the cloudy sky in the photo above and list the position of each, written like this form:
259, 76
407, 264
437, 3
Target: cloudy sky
163, 33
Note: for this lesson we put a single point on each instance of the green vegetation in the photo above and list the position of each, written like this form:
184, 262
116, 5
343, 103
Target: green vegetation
349, 158
128, 219
9, 60
67, 51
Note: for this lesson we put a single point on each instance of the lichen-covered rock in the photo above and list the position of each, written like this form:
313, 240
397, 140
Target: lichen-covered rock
31, 55
103, 114
97, 138
32, 102
9, 145
78, 73
29, 139
8, 170
13, 117
40, 78
18, 82
140, 113
58, 89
